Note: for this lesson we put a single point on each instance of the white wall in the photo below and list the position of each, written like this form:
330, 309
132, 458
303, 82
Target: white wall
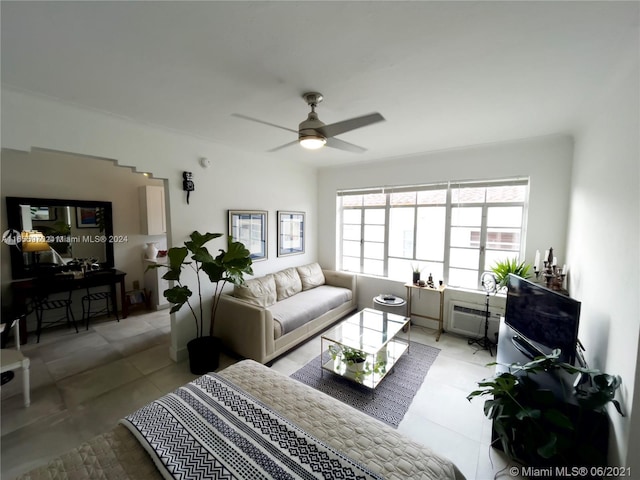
604, 243
235, 180
547, 161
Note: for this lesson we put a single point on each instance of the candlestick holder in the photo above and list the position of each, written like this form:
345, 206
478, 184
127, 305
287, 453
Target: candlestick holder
552, 275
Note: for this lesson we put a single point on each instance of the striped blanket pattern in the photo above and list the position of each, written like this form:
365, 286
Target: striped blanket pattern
210, 428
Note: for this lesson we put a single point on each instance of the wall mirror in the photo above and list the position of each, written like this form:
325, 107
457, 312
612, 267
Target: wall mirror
250, 228
54, 232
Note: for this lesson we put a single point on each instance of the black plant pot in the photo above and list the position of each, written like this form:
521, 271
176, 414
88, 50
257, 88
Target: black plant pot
416, 277
204, 354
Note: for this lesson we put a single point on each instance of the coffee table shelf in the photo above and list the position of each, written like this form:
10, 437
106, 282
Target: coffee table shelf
372, 332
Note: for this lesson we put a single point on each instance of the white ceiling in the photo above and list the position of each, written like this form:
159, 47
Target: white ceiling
444, 74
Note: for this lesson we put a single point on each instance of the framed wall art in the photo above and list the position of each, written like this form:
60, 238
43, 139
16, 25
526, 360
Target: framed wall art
290, 233
250, 228
87, 217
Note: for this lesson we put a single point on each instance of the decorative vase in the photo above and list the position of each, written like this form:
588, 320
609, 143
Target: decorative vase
151, 252
416, 277
204, 354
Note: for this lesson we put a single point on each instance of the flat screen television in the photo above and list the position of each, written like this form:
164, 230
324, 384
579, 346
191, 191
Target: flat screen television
542, 318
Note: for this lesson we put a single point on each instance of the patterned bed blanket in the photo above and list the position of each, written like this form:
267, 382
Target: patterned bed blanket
119, 455
211, 428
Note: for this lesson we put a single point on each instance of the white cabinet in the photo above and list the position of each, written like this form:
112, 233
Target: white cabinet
155, 284
152, 212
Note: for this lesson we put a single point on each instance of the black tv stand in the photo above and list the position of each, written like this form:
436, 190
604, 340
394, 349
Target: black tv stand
591, 427
513, 348
525, 347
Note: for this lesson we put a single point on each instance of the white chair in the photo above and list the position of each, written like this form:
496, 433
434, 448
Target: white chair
14, 359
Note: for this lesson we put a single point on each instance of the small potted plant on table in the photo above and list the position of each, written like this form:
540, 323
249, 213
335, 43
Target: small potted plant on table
417, 270
352, 357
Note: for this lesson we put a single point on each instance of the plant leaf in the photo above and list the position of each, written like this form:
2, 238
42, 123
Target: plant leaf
490, 408
214, 271
618, 407
172, 275
202, 255
503, 268
558, 418
198, 240
549, 449
528, 412
236, 261
176, 256
175, 308
177, 295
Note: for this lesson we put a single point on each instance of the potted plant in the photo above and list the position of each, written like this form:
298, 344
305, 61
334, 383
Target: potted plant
503, 268
228, 266
417, 270
352, 357
535, 428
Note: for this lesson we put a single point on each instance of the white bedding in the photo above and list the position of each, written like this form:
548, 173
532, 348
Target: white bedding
378, 447
211, 428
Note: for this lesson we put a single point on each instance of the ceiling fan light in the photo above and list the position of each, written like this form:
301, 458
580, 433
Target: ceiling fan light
313, 143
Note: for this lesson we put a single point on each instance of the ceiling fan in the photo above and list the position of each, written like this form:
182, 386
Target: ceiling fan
314, 134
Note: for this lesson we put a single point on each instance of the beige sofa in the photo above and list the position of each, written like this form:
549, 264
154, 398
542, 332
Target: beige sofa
270, 315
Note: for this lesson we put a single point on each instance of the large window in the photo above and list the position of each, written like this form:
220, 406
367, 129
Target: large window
454, 231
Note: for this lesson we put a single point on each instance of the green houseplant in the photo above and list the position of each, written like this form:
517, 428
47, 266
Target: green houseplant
229, 266
356, 361
535, 428
503, 268
350, 356
416, 271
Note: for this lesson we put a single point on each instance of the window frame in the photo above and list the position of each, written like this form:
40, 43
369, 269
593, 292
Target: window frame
449, 205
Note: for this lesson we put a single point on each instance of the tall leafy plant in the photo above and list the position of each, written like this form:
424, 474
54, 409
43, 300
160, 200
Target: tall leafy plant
229, 266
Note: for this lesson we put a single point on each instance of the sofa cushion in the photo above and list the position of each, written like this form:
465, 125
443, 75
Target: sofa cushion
299, 309
311, 276
287, 283
259, 291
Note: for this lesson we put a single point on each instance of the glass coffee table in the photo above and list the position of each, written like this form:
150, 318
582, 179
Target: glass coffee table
365, 346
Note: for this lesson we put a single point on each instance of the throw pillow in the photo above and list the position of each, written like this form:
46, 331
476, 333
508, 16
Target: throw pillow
287, 283
311, 276
259, 291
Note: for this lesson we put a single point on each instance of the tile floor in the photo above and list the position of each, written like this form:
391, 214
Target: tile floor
81, 384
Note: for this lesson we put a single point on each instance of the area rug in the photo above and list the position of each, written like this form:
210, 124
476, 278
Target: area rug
391, 398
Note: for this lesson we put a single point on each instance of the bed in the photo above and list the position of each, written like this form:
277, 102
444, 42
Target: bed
327, 435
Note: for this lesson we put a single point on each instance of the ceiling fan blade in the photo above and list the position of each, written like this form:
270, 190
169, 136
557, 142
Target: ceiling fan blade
351, 124
342, 145
295, 142
239, 115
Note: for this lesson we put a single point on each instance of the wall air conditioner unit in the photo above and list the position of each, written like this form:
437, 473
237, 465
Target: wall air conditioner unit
467, 319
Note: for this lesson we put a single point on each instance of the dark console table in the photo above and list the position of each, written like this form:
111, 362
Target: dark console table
23, 290
592, 428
